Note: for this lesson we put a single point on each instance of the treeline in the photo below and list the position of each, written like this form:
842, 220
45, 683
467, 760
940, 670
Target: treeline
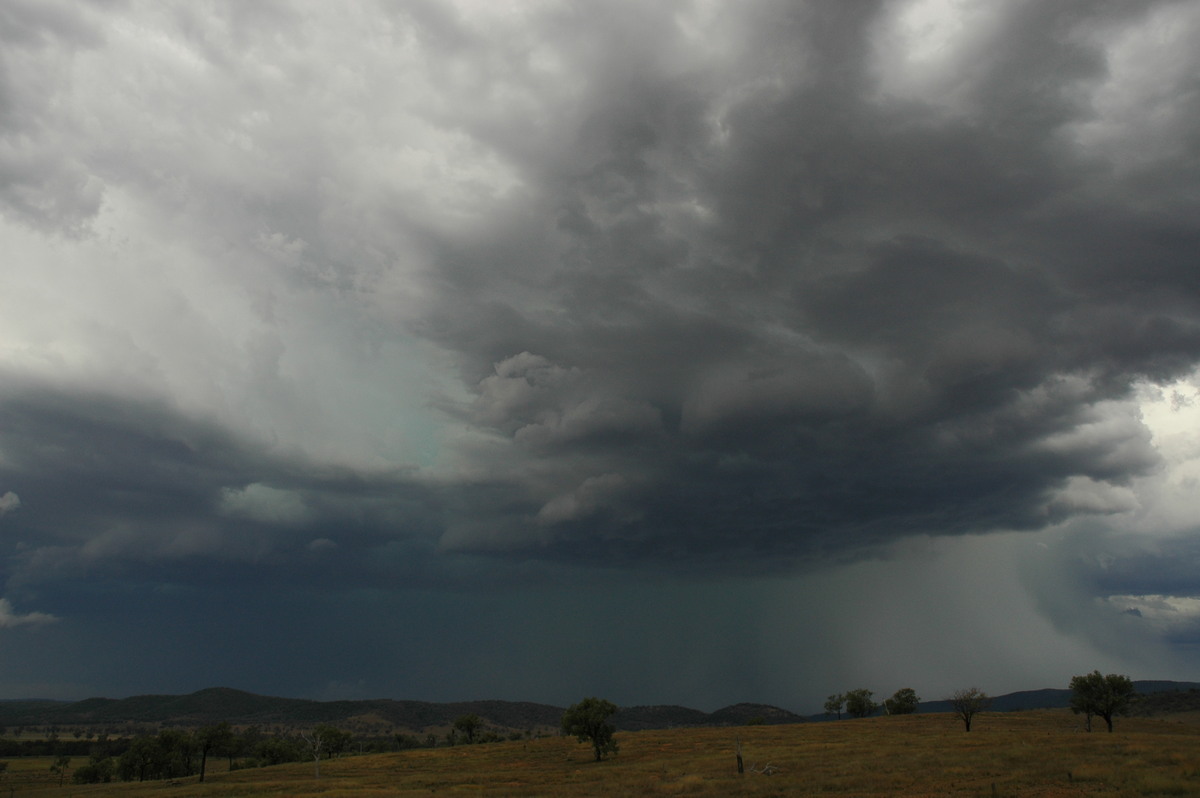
860, 703
1093, 695
1166, 702
51, 746
175, 753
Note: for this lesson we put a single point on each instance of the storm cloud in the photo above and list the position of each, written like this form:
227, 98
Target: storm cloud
442, 299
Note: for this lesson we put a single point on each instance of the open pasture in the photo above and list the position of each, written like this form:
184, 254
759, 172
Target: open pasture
1040, 753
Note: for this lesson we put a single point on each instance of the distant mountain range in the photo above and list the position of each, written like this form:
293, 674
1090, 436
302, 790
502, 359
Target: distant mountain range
385, 716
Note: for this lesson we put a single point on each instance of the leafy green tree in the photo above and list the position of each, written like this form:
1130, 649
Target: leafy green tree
834, 704
245, 744
404, 742
140, 761
277, 750
98, 770
968, 703
468, 725
1096, 694
337, 741
904, 702
213, 739
176, 750
588, 722
859, 703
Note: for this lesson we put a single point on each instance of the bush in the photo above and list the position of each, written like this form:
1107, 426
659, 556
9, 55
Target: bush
97, 771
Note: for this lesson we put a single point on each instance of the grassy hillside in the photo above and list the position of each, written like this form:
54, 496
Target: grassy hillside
1036, 753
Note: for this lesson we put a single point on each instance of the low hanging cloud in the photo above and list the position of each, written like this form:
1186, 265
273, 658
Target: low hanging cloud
9, 502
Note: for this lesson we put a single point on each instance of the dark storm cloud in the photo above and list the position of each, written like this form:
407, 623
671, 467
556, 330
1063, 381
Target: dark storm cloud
749, 292
841, 316
131, 490
380, 307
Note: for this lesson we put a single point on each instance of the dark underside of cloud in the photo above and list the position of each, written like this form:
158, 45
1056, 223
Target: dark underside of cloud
793, 316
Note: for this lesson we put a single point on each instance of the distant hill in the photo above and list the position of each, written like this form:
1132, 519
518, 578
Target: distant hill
382, 716
671, 717
1048, 698
1055, 698
1167, 702
240, 708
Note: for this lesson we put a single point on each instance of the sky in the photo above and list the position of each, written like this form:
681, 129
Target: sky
684, 352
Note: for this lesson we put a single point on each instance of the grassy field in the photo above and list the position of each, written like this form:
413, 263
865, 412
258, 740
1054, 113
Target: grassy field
1041, 753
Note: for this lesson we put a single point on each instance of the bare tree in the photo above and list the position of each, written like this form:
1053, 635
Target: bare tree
834, 704
967, 703
315, 743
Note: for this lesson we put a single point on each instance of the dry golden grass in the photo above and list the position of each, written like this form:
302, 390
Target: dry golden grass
1028, 754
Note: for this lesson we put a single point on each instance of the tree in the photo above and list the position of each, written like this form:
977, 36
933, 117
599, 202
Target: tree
859, 703
404, 742
277, 750
468, 725
213, 739
316, 743
337, 741
969, 702
1095, 694
61, 765
99, 769
904, 702
588, 721
834, 704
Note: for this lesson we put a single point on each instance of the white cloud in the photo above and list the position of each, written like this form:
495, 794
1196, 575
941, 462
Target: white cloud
9, 502
592, 495
1084, 495
1168, 614
9, 618
264, 503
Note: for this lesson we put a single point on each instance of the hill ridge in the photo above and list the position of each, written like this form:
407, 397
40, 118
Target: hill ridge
238, 707
386, 715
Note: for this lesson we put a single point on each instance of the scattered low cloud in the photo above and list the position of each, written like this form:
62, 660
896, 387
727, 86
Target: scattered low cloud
10, 618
